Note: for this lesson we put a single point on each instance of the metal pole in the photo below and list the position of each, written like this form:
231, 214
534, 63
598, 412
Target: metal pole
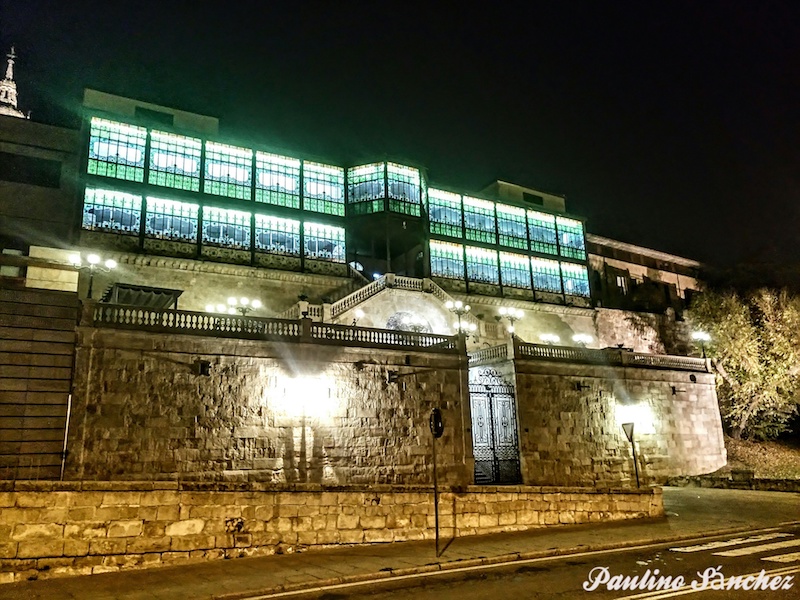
435, 497
635, 462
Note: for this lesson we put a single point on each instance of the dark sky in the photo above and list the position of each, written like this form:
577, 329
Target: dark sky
666, 124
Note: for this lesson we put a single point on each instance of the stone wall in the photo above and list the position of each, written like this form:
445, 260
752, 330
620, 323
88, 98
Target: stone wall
57, 529
570, 419
275, 412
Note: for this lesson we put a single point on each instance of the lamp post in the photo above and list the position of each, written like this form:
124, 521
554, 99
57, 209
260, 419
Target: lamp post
512, 315
550, 338
359, 314
459, 309
414, 323
240, 305
94, 265
582, 339
702, 337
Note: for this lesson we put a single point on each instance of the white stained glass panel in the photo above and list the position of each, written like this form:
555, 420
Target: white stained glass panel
546, 275
482, 265
576, 279
324, 242
515, 270
171, 220
278, 180
108, 210
223, 227
447, 260
277, 236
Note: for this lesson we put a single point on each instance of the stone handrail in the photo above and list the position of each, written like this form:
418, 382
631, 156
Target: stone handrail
609, 356
485, 355
357, 297
138, 318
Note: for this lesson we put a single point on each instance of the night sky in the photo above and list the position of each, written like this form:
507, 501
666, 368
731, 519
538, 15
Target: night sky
670, 125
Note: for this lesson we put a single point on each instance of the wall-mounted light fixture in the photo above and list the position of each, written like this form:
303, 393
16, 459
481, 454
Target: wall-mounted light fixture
94, 264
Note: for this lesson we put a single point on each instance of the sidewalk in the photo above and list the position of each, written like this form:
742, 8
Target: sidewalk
691, 512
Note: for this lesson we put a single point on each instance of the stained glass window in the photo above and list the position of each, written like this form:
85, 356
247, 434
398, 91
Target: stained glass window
366, 188
323, 188
107, 210
576, 279
171, 220
444, 213
229, 171
479, 220
229, 228
277, 180
404, 185
546, 275
324, 242
515, 270
542, 232
277, 236
116, 150
482, 265
174, 161
447, 260
570, 234
511, 226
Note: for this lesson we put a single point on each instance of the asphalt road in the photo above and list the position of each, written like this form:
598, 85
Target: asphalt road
693, 569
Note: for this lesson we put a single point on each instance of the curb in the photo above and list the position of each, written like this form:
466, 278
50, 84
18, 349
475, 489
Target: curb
443, 567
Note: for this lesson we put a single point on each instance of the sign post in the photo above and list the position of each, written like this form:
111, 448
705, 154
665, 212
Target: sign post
437, 429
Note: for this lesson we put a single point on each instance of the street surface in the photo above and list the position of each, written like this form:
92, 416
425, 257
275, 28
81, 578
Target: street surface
707, 567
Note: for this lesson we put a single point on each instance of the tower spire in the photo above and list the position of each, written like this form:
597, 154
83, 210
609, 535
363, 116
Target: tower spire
8, 90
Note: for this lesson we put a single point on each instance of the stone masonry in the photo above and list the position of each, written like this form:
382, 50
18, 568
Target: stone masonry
71, 528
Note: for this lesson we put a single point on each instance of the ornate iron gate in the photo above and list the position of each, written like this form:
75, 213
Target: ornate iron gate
494, 429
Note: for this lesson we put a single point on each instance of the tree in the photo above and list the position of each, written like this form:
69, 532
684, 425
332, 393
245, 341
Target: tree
755, 351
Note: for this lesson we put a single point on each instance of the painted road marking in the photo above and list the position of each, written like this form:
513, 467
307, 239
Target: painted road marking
733, 542
760, 548
784, 558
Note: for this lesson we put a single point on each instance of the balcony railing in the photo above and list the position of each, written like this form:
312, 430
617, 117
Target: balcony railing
137, 318
609, 356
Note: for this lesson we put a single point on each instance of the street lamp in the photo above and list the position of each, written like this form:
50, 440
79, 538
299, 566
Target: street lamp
582, 339
459, 309
414, 323
359, 314
702, 337
513, 315
95, 264
550, 338
243, 305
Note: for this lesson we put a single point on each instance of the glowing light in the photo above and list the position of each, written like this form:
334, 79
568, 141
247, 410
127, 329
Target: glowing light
93, 259
111, 264
308, 397
582, 338
639, 414
550, 338
75, 259
701, 336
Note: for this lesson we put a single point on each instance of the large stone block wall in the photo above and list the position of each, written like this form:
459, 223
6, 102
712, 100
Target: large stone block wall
570, 427
275, 412
57, 529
